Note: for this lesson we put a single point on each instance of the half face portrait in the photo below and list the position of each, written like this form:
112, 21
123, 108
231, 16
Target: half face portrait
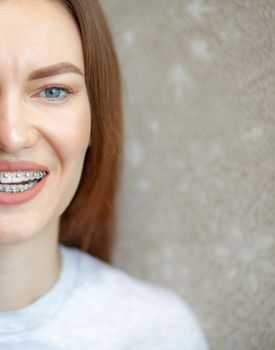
61, 161
45, 113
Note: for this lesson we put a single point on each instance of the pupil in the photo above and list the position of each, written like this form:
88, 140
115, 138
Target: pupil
52, 93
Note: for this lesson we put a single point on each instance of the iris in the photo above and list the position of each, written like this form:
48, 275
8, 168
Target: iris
55, 93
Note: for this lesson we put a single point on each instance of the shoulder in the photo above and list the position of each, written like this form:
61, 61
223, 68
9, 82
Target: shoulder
147, 307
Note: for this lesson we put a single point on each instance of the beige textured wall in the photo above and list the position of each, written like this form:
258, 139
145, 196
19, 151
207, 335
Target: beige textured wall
196, 210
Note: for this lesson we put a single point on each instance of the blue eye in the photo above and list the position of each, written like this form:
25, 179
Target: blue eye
55, 93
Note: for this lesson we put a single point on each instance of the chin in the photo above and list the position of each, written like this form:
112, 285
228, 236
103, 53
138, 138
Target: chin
18, 234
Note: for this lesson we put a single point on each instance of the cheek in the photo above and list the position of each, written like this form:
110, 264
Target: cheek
70, 133
69, 139
75, 138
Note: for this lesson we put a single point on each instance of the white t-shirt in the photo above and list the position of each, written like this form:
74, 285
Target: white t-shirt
96, 306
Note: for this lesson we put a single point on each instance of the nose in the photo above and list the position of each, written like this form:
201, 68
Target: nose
16, 131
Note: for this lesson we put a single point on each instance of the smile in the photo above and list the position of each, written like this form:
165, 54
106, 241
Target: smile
19, 181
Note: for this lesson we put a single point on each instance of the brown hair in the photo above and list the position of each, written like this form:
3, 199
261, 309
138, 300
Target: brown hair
88, 222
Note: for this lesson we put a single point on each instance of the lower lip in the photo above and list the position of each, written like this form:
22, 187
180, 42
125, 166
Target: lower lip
10, 198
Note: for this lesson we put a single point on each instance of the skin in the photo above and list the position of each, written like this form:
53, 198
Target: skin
34, 127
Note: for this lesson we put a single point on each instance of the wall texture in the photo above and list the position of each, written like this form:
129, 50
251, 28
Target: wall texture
196, 209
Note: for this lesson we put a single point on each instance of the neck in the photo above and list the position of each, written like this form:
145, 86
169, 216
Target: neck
29, 269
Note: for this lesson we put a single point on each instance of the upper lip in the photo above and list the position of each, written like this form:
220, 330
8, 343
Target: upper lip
6, 165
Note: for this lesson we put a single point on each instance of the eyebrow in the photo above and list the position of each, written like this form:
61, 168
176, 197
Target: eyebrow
59, 68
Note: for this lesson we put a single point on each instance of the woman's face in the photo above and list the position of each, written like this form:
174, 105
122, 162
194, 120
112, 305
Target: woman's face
40, 120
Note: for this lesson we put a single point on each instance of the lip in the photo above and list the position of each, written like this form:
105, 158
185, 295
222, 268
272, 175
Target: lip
6, 165
22, 197
7, 198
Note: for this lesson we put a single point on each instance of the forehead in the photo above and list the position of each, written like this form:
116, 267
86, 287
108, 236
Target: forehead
38, 33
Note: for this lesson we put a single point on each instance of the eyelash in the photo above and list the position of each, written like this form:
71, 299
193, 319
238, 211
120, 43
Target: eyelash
58, 99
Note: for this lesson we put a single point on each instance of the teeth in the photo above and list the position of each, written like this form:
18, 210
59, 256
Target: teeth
17, 188
20, 176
